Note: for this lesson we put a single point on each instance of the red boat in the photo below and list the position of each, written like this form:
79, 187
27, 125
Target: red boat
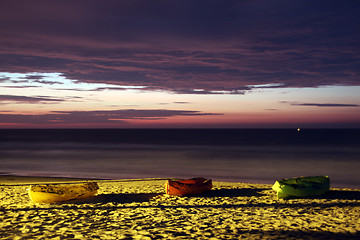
188, 186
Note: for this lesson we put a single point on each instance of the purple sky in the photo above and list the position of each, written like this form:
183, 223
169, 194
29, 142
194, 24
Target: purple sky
181, 48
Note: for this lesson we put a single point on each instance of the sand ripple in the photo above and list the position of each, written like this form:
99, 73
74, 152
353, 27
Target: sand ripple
140, 210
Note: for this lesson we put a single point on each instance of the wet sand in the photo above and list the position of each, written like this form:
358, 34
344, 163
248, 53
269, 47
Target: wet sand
139, 209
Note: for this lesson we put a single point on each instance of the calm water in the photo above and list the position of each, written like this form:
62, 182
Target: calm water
248, 155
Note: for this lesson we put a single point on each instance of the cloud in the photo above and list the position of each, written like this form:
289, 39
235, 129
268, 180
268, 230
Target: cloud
116, 116
182, 102
207, 92
4, 79
326, 105
34, 77
72, 89
322, 104
48, 82
165, 103
113, 88
179, 46
21, 86
25, 99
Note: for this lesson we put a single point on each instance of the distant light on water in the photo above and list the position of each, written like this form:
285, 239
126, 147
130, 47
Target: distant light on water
298, 129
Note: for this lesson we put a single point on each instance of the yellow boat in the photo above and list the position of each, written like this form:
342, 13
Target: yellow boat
53, 193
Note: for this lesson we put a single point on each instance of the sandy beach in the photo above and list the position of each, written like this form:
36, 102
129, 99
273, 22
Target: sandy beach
139, 209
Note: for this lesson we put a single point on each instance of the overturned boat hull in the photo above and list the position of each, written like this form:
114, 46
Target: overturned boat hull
302, 186
53, 193
188, 186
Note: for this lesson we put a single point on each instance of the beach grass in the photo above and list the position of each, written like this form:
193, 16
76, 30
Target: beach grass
140, 209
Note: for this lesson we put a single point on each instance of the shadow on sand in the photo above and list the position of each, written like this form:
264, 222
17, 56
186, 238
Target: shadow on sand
118, 198
145, 197
240, 192
237, 192
339, 195
334, 195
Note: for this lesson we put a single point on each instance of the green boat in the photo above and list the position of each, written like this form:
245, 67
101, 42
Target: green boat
302, 186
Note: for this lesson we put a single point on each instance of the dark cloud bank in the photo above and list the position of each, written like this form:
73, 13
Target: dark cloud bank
25, 99
320, 104
180, 46
101, 117
325, 105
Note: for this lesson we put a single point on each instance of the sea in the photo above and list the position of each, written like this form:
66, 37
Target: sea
231, 155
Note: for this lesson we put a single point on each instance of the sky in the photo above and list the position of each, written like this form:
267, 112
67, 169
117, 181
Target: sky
179, 64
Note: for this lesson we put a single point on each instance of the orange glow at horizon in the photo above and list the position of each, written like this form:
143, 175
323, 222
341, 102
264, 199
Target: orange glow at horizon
22, 107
